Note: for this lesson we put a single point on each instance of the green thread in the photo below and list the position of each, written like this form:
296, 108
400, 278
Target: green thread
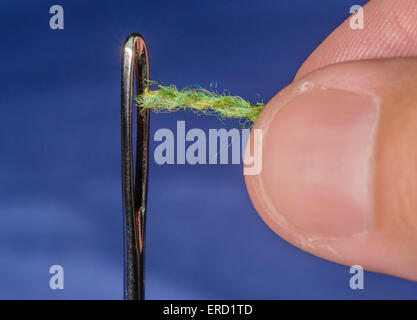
168, 99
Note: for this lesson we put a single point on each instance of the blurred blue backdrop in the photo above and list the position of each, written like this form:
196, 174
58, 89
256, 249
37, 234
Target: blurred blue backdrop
60, 190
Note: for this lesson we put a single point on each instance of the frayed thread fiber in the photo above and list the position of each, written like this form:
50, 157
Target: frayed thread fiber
167, 99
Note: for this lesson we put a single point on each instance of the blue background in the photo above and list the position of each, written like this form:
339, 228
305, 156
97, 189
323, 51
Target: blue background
60, 190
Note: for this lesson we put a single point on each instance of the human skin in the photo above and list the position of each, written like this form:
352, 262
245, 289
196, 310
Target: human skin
339, 171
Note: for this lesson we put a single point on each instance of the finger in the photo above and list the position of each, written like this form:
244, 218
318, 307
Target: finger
339, 171
390, 30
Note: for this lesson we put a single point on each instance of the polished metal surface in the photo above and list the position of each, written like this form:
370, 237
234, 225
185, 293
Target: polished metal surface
134, 60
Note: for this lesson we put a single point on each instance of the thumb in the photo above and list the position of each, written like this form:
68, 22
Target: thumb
339, 171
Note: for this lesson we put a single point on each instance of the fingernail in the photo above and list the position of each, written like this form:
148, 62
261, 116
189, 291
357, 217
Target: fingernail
317, 170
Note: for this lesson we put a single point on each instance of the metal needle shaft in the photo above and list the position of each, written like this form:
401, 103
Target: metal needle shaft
134, 60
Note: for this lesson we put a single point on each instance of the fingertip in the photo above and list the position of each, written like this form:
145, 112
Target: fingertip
320, 185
